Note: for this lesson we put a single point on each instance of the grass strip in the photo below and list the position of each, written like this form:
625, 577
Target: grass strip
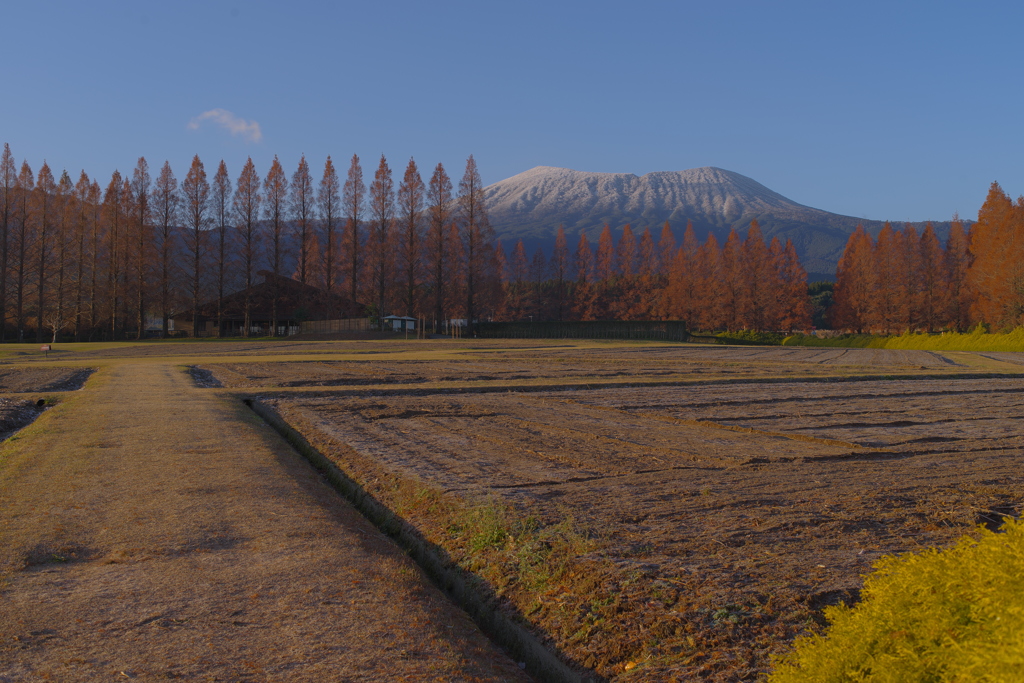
978, 340
464, 588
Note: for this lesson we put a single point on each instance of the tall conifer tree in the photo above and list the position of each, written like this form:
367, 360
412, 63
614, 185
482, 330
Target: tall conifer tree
733, 281
195, 191
166, 202
8, 200
220, 199
328, 202
440, 249
142, 240
957, 258
475, 231
275, 197
987, 275
246, 203
711, 311
302, 205
380, 246
83, 212
46, 188
583, 290
854, 288
560, 273
352, 200
933, 289
65, 204
410, 248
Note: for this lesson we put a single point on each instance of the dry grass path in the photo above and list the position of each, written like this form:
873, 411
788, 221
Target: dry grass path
153, 531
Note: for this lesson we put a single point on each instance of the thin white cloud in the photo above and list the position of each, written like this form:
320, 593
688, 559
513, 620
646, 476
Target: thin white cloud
250, 130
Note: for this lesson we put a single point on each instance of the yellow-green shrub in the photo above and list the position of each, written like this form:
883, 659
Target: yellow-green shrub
940, 615
978, 340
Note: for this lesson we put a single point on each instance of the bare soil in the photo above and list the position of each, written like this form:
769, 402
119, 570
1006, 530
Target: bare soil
16, 414
20, 379
725, 513
151, 531
487, 362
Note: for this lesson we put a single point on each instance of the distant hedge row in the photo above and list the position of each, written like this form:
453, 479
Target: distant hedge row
667, 330
978, 340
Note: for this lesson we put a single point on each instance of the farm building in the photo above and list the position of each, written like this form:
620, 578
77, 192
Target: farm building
399, 323
296, 303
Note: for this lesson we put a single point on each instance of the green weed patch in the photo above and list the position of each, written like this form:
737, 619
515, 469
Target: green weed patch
978, 340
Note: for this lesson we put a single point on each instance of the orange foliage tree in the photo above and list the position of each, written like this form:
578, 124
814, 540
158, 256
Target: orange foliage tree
996, 273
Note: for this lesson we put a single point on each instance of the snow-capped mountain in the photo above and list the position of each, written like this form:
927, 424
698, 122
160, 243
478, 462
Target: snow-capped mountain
531, 205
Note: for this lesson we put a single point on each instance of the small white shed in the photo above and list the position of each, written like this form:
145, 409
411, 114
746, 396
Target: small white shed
399, 323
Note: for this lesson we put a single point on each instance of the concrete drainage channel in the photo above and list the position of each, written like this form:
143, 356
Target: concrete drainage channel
23, 413
517, 641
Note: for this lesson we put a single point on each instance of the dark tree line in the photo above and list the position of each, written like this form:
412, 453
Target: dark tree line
92, 263
744, 284
901, 281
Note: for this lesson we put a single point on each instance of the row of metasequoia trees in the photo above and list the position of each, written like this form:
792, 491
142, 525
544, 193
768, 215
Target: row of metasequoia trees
743, 284
903, 281
98, 263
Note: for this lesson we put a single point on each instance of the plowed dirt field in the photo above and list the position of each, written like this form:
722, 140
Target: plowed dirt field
725, 494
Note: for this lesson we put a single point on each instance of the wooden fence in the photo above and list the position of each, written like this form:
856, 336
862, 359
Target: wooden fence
334, 326
666, 330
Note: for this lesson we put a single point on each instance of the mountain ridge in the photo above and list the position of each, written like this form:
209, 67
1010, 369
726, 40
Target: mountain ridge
531, 205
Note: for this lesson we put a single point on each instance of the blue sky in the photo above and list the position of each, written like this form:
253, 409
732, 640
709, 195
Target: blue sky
883, 110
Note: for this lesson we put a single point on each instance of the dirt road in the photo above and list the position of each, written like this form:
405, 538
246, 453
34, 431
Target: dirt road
152, 531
